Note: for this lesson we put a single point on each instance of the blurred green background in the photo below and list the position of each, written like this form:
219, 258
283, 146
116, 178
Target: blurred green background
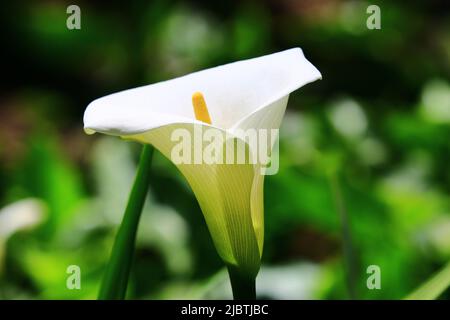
364, 153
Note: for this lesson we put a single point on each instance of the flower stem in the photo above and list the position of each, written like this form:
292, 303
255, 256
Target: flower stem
348, 247
434, 287
243, 285
115, 280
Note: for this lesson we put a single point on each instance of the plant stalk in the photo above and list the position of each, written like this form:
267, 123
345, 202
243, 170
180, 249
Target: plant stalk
243, 285
434, 287
348, 248
114, 285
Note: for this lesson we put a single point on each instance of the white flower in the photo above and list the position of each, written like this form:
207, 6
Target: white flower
249, 94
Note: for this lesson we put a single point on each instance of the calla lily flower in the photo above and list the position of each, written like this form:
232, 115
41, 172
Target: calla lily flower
248, 94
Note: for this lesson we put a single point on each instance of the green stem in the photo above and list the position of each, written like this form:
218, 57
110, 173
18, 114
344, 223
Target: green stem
433, 287
349, 257
115, 280
243, 286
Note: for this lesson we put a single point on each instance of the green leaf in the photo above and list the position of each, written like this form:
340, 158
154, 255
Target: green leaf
434, 287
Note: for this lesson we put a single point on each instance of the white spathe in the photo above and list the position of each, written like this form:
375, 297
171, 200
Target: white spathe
249, 94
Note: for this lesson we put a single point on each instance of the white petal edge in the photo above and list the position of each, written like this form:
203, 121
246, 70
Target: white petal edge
233, 93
